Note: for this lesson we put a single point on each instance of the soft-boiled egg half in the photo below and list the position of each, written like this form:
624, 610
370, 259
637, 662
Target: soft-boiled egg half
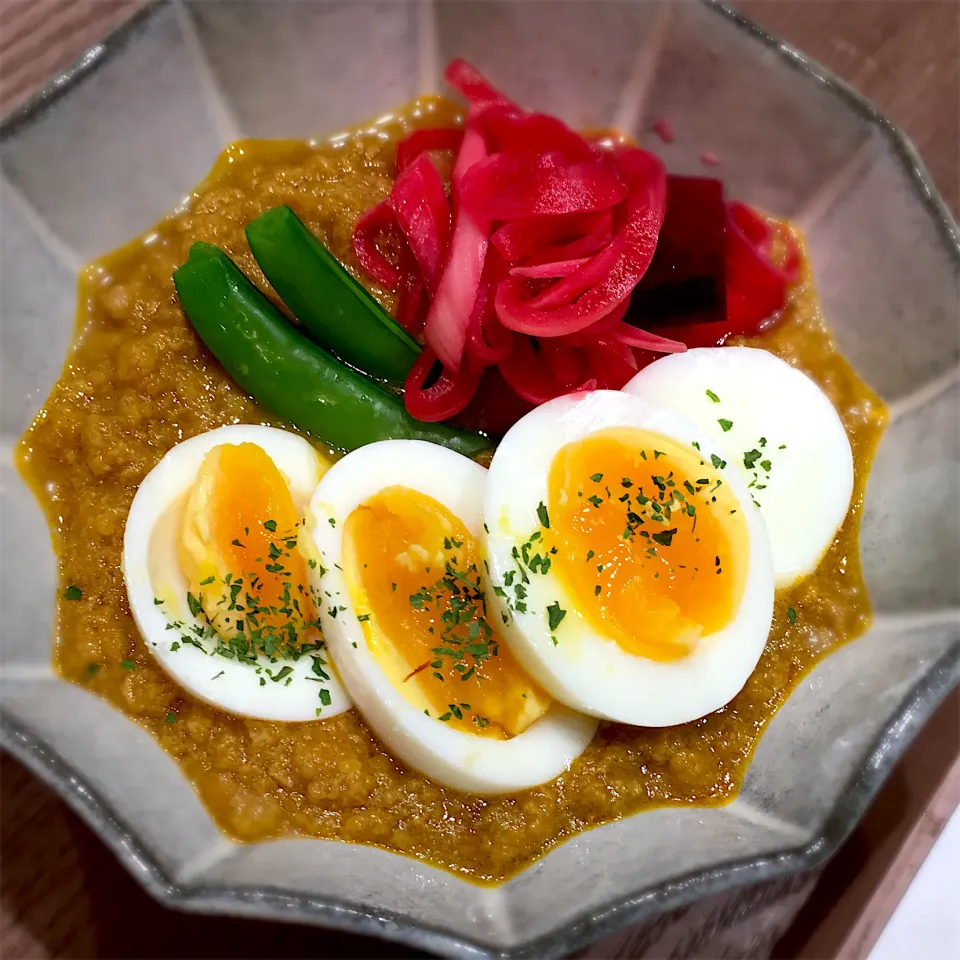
777, 429
399, 528
216, 566
631, 567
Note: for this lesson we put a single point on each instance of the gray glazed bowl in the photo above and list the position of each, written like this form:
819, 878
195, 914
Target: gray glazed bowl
121, 138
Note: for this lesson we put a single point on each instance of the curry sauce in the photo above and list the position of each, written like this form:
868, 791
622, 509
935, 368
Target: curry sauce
138, 381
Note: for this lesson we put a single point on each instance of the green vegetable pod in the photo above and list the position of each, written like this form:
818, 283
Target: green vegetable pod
288, 374
334, 310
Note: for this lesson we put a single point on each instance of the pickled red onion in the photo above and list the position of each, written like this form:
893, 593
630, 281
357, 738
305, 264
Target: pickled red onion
529, 270
428, 140
445, 329
378, 222
419, 203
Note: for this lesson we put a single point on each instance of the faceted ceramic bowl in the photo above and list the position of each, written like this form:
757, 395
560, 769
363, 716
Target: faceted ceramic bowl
121, 138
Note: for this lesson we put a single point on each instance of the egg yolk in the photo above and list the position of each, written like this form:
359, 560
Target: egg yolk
240, 550
651, 544
412, 570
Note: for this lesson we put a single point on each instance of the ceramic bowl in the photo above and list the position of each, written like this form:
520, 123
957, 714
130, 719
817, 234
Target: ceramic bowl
117, 141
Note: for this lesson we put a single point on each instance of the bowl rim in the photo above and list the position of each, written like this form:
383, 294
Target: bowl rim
627, 910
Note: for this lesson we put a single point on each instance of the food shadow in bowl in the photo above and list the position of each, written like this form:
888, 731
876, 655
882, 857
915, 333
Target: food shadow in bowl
171, 89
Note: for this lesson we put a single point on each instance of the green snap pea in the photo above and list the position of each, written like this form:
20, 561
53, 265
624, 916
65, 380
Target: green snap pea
288, 374
334, 310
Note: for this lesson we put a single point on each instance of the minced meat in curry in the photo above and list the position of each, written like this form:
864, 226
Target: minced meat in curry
138, 381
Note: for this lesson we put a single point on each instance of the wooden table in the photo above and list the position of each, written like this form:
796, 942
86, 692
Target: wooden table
62, 894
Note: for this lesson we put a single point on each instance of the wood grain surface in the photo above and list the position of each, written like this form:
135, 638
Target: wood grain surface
62, 894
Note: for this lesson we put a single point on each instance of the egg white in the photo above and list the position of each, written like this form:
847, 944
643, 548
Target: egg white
151, 569
588, 671
460, 760
806, 494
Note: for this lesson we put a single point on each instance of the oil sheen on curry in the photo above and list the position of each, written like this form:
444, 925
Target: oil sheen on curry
474, 553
